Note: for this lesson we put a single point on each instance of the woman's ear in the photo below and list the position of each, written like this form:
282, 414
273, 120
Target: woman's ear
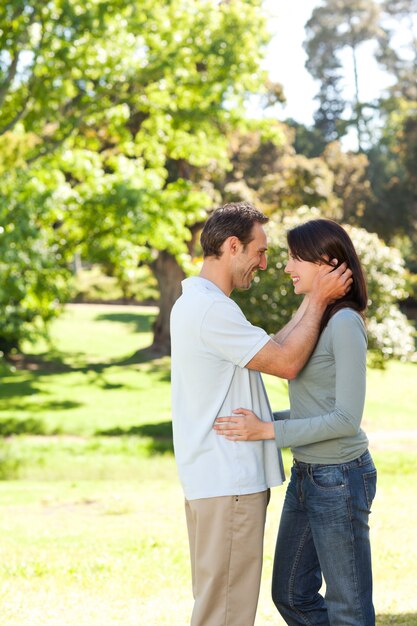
325, 260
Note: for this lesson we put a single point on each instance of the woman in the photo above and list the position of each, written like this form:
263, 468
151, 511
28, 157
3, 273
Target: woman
324, 524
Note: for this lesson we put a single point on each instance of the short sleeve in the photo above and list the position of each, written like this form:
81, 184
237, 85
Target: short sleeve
227, 333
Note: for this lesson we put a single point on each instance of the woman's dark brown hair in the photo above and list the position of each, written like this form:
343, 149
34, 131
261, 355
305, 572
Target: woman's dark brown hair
321, 241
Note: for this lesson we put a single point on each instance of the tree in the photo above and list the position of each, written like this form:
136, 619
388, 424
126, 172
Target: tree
61, 62
307, 141
34, 275
56, 73
333, 27
392, 172
398, 46
133, 103
351, 184
272, 175
392, 158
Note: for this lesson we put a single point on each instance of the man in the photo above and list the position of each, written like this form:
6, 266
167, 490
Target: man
216, 359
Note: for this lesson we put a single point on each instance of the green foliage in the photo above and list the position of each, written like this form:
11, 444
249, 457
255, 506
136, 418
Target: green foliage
129, 104
271, 302
351, 185
307, 141
33, 272
272, 175
60, 64
185, 92
92, 285
123, 123
140, 87
392, 173
390, 334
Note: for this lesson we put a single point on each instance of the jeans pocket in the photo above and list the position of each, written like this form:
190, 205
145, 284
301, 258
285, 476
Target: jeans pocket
369, 482
328, 476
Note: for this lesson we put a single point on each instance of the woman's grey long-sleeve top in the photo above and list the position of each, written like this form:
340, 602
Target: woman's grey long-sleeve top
327, 397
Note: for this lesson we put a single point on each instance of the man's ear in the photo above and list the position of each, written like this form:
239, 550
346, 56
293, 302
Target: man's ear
233, 244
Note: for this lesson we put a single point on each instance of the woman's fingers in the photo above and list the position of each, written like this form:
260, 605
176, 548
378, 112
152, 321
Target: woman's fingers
237, 427
233, 435
225, 422
229, 427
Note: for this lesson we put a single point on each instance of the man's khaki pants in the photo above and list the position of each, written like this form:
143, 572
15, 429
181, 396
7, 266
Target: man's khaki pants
226, 544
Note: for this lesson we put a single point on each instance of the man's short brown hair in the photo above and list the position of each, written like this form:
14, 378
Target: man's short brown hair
235, 219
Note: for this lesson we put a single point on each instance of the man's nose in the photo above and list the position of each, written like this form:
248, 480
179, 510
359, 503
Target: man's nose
263, 264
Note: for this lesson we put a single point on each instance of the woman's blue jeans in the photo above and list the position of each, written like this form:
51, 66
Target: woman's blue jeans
324, 531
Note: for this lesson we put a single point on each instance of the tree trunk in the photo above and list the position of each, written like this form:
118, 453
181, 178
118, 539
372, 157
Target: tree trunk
169, 276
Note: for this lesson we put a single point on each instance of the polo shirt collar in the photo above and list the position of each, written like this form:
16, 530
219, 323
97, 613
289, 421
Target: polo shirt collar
200, 283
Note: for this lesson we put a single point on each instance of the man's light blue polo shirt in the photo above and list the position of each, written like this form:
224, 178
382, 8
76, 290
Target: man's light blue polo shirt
212, 341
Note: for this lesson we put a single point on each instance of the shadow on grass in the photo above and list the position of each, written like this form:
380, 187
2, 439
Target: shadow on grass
55, 362
14, 393
399, 619
142, 322
18, 388
155, 360
45, 364
160, 435
51, 362
41, 407
31, 426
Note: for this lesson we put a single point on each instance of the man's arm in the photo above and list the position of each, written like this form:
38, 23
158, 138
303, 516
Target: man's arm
287, 358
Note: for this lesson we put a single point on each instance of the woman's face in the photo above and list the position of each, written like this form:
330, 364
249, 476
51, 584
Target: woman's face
302, 273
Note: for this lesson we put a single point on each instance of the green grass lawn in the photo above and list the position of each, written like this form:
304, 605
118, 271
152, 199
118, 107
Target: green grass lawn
111, 552
92, 524
97, 375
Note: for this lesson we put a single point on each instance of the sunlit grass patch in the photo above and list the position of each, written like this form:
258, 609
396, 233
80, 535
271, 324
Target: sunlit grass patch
93, 532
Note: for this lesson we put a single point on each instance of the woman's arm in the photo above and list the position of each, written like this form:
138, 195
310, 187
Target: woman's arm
349, 347
282, 334
244, 425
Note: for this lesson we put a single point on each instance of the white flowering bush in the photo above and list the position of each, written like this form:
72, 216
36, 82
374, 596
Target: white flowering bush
271, 301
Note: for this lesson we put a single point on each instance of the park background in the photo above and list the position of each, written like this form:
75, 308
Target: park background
122, 125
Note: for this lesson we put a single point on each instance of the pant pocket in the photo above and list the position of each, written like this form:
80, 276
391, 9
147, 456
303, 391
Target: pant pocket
369, 482
328, 477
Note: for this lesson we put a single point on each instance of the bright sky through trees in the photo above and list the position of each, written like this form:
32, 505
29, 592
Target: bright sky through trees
286, 58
